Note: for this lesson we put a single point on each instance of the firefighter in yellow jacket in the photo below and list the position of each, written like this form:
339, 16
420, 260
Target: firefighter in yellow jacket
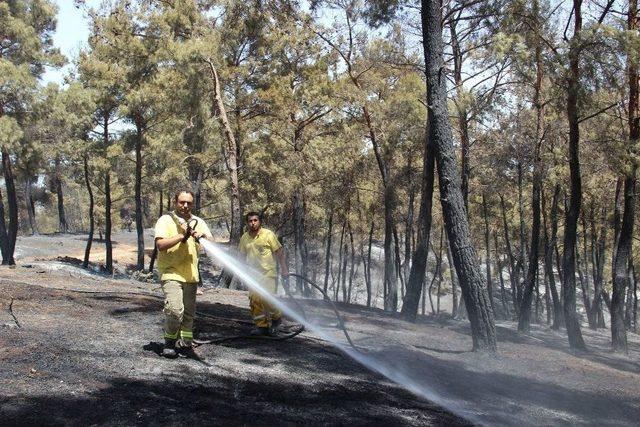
176, 236
261, 248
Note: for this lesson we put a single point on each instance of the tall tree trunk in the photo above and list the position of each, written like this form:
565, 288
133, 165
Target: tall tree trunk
438, 274
369, 283
231, 156
487, 246
621, 274
408, 233
571, 215
513, 271
583, 275
345, 261
352, 266
503, 293
301, 259
62, 219
617, 218
537, 291
107, 224
327, 256
4, 236
464, 255
633, 302
433, 278
598, 259
107, 201
420, 254
31, 212
9, 182
549, 244
524, 318
462, 114
454, 284
390, 273
584, 286
138, 194
623, 251
396, 242
521, 262
547, 298
87, 249
629, 300
340, 255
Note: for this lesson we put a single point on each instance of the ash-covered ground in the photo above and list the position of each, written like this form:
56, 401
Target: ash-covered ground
78, 348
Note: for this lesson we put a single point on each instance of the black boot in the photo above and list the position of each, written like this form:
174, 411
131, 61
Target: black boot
275, 324
261, 332
169, 350
186, 349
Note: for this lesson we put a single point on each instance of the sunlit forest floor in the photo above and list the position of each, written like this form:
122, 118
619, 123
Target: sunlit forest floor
79, 348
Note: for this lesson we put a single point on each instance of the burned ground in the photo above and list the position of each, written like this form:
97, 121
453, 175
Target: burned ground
86, 352
90, 358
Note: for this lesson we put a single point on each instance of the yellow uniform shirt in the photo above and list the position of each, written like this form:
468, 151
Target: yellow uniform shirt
259, 251
179, 262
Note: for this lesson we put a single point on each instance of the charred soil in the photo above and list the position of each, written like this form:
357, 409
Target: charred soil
80, 348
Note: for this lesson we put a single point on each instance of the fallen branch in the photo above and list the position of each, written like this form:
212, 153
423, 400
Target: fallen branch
15, 319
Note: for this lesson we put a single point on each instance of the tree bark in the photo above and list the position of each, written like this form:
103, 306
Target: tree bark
231, 158
107, 224
31, 212
4, 237
503, 293
345, 261
62, 219
524, 318
521, 262
487, 246
327, 256
390, 273
464, 255
9, 182
462, 114
352, 265
301, 258
420, 254
513, 271
598, 260
571, 215
454, 284
623, 251
340, 255
438, 274
408, 233
549, 245
396, 242
138, 193
629, 300
87, 249
368, 271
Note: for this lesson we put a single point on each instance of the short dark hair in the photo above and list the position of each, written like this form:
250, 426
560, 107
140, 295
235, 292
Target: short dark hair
179, 192
252, 213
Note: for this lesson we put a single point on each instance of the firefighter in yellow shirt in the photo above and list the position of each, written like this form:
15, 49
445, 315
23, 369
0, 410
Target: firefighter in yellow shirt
176, 236
260, 246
